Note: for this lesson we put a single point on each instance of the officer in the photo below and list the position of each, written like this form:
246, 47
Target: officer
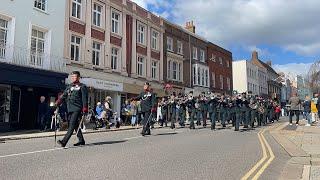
172, 110
198, 106
182, 112
190, 103
253, 104
212, 109
237, 103
245, 110
204, 109
76, 97
223, 110
164, 111
148, 103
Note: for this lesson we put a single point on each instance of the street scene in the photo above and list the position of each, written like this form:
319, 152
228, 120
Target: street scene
159, 89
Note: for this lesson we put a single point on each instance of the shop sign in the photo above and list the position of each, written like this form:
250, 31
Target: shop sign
102, 84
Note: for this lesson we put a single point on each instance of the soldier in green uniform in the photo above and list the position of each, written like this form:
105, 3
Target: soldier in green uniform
182, 111
148, 103
245, 111
172, 110
237, 103
253, 110
190, 104
76, 97
212, 109
223, 110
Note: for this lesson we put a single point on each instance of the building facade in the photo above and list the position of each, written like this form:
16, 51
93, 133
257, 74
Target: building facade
116, 45
31, 59
220, 69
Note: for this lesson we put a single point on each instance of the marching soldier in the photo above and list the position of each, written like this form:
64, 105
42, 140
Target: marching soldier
212, 109
204, 109
238, 111
198, 106
164, 111
148, 103
190, 104
223, 110
245, 110
253, 110
172, 110
76, 97
182, 112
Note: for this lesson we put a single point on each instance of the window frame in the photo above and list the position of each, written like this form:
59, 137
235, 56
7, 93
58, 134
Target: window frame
78, 8
195, 53
42, 3
37, 54
155, 40
142, 65
119, 21
115, 58
75, 44
96, 53
154, 67
221, 82
141, 34
3, 42
97, 15
179, 47
170, 39
213, 79
202, 55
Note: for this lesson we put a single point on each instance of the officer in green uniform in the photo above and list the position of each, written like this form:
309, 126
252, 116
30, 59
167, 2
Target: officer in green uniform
172, 110
223, 110
182, 112
148, 103
204, 108
76, 97
237, 103
245, 110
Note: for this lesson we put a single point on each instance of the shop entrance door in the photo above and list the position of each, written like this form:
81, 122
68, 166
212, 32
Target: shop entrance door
4, 104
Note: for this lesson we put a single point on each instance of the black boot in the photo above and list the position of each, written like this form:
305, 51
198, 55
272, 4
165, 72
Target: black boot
61, 143
213, 127
80, 144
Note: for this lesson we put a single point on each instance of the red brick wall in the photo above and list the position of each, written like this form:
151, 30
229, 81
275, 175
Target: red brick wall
155, 55
141, 50
129, 42
97, 34
76, 27
115, 41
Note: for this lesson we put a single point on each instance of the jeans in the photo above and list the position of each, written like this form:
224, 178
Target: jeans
292, 113
308, 117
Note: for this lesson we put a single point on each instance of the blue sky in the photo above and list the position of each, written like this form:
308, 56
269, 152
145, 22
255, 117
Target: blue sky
286, 33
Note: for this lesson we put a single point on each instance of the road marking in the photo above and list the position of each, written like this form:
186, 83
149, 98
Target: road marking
264, 167
32, 152
136, 137
264, 157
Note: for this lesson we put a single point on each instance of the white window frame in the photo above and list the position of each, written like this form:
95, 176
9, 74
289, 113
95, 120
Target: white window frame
221, 82
3, 42
177, 73
206, 77
140, 66
115, 58
37, 55
228, 63
194, 53
213, 57
117, 29
155, 39
180, 47
97, 15
220, 61
169, 43
202, 55
75, 45
78, 8
96, 53
141, 33
228, 83
200, 75
213, 79
40, 5
154, 69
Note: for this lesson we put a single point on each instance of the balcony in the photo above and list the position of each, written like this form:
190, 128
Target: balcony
29, 58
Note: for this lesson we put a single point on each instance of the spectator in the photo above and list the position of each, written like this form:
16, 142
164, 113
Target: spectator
133, 113
99, 109
314, 108
295, 104
307, 110
43, 110
278, 112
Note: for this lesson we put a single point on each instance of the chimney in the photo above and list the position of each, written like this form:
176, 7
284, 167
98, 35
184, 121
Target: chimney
269, 63
190, 26
254, 55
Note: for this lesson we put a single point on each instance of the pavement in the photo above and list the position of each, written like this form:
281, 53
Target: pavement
166, 154
302, 143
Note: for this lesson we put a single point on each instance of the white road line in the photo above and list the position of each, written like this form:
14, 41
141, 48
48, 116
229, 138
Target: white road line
32, 152
132, 138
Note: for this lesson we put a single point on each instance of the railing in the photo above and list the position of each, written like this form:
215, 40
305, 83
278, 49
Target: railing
25, 57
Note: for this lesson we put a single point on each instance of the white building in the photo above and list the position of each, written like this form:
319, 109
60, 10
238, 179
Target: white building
31, 58
249, 77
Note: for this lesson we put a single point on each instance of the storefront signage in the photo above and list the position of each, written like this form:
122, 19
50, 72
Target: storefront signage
102, 84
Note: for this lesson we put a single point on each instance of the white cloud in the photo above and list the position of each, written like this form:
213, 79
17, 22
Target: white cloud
293, 69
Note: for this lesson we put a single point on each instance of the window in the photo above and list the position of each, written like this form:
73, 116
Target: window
202, 55
96, 15
3, 37
76, 9
115, 22
179, 71
180, 47
140, 66
114, 58
175, 70
154, 67
195, 53
169, 70
40, 4
221, 82
228, 84
96, 51
220, 60
213, 58
169, 44
206, 78
75, 48
202, 77
228, 64
37, 48
194, 75
213, 80
199, 76
154, 40
141, 33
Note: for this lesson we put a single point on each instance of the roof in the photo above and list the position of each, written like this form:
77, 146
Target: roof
269, 68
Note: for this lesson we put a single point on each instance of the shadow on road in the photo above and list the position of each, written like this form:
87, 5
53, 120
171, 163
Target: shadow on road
104, 143
165, 134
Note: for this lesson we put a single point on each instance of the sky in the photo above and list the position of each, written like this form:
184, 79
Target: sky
287, 32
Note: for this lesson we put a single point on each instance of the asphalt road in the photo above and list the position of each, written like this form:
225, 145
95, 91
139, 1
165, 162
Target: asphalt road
166, 154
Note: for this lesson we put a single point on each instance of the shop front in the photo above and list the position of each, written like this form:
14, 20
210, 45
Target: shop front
100, 89
20, 91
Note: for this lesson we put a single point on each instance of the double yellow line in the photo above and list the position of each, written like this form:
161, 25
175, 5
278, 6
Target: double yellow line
267, 157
